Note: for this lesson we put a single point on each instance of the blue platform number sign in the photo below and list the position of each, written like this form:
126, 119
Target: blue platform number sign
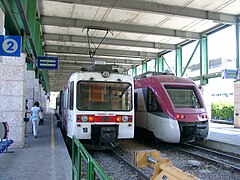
10, 45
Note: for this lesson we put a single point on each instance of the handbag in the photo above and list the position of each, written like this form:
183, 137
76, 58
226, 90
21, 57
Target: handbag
26, 119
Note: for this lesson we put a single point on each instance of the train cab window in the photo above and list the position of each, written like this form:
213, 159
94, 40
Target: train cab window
71, 96
152, 103
108, 96
183, 97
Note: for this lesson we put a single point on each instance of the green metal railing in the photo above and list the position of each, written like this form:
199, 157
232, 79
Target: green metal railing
93, 169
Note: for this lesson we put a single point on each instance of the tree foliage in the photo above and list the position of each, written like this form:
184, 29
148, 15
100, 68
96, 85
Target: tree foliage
224, 111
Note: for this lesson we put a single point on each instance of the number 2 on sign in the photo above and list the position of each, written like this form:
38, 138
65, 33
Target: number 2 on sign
10, 45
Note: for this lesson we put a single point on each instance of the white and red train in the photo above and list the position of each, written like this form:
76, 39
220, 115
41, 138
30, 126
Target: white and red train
97, 106
171, 107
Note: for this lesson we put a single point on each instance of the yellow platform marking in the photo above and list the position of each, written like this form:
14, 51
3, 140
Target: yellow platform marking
52, 133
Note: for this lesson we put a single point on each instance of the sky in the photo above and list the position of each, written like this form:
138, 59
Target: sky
221, 44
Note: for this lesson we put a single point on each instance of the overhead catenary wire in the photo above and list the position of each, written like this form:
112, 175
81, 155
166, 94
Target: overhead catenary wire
90, 40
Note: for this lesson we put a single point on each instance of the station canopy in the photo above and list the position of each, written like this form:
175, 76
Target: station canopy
134, 30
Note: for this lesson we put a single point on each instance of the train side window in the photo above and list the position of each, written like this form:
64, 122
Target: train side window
135, 101
60, 102
67, 98
152, 103
71, 96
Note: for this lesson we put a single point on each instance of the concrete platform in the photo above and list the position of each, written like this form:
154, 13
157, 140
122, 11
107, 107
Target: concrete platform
224, 133
223, 137
42, 158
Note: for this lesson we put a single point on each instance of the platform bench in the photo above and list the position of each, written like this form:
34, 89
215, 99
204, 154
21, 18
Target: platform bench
4, 141
4, 144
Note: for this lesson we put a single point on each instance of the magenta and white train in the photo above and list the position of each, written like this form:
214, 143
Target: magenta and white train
171, 107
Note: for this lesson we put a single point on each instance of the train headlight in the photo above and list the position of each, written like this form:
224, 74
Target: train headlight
118, 118
124, 119
203, 116
91, 118
180, 116
84, 118
106, 74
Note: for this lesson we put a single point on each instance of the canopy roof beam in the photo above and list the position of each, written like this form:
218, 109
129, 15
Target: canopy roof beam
107, 52
111, 41
120, 27
153, 7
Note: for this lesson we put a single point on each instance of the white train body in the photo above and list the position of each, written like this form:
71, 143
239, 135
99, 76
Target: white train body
98, 106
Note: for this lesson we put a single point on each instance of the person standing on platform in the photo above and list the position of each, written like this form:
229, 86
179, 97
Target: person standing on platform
26, 107
26, 115
41, 115
35, 117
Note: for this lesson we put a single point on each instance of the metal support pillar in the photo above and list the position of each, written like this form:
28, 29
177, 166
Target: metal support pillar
203, 60
46, 82
37, 36
144, 66
159, 64
11, 25
156, 65
36, 43
178, 61
31, 16
191, 57
134, 71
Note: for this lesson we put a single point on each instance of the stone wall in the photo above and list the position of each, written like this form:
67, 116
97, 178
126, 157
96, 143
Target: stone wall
30, 87
16, 85
237, 104
12, 103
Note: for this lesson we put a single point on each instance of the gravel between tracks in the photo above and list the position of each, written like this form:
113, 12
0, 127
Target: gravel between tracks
187, 163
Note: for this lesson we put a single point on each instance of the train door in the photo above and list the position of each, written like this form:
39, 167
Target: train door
64, 109
155, 112
70, 107
140, 117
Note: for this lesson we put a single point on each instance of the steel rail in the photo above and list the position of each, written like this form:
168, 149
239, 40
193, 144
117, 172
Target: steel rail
134, 168
234, 168
214, 151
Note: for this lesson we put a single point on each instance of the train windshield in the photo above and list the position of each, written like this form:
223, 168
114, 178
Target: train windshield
183, 97
104, 96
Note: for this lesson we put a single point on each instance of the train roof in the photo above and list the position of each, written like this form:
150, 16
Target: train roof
162, 77
100, 68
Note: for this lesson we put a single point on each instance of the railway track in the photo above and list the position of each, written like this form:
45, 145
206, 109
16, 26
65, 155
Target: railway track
118, 167
209, 155
192, 162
